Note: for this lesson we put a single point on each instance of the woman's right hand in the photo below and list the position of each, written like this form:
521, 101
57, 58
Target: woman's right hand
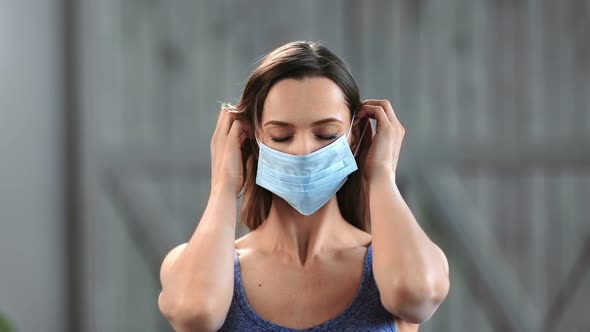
226, 151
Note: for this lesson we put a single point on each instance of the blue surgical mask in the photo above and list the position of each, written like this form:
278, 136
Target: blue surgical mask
306, 182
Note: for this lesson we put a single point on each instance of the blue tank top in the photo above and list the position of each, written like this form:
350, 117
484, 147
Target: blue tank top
365, 313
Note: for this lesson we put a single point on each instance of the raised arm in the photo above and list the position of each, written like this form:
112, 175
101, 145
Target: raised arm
411, 272
197, 277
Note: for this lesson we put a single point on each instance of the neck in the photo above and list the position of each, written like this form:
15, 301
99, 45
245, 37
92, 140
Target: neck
302, 238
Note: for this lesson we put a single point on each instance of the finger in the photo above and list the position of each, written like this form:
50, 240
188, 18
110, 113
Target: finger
236, 132
220, 118
217, 132
215, 135
226, 123
386, 106
388, 110
377, 113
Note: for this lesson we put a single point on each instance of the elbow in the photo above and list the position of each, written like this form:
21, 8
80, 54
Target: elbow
415, 302
189, 315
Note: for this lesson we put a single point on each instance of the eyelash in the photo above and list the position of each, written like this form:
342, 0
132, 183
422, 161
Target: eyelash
285, 139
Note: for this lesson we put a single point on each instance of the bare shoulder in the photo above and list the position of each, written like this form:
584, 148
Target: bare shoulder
365, 238
244, 242
403, 326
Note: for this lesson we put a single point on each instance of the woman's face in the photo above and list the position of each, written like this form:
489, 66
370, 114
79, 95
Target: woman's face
302, 116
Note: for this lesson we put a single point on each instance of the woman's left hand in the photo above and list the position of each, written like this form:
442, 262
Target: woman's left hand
383, 153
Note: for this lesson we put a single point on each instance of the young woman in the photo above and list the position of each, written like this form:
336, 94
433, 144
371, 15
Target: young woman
314, 178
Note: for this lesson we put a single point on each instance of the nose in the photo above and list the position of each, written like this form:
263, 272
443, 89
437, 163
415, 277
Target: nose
303, 146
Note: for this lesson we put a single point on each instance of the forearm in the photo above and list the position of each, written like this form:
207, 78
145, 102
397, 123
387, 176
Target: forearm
409, 267
202, 275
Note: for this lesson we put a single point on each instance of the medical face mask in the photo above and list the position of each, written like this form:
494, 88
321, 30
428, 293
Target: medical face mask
306, 182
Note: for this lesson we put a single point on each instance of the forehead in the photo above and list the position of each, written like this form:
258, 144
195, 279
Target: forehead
299, 101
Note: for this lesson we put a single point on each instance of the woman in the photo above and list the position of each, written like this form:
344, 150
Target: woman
308, 263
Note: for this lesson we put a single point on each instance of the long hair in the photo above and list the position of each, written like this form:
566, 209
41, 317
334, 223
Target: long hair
296, 60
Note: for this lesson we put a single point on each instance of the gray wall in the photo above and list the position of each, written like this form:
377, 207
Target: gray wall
31, 254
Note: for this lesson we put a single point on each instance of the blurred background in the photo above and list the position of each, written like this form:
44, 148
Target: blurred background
107, 108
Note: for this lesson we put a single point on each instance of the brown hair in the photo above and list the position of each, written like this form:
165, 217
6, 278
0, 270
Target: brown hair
296, 60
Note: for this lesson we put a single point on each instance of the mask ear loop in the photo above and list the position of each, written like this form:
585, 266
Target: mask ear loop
361, 138
257, 140
350, 128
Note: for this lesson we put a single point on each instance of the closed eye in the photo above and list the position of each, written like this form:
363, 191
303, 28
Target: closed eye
288, 138
281, 139
327, 138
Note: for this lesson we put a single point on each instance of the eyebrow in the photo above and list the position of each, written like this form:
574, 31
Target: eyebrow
315, 123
